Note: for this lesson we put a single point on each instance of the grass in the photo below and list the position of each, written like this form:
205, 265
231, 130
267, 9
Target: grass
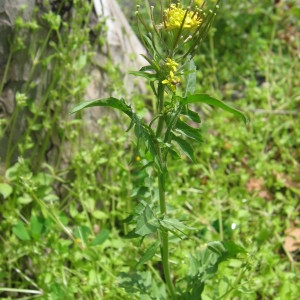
61, 226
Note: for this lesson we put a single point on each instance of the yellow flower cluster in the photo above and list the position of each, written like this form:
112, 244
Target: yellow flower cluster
171, 64
176, 16
171, 79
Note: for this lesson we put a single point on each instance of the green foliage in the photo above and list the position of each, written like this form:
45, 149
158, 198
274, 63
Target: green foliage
141, 285
205, 266
5, 190
20, 231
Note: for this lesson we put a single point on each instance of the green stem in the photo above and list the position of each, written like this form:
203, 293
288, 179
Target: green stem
162, 196
9, 151
6, 71
160, 104
165, 239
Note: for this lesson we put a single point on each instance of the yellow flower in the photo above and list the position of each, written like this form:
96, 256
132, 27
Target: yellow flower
177, 17
172, 64
171, 80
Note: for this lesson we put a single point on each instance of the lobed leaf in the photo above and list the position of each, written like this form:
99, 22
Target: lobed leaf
147, 223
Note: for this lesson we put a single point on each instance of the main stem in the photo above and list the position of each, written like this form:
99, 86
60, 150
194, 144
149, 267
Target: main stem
162, 196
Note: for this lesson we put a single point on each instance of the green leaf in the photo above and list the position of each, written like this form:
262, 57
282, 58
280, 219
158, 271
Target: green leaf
99, 215
192, 115
25, 199
205, 265
145, 134
139, 209
171, 121
149, 76
150, 252
185, 129
108, 102
172, 224
185, 147
5, 190
191, 78
36, 226
150, 45
101, 237
205, 98
147, 68
131, 235
233, 249
217, 247
173, 152
153, 88
147, 223
82, 232
13, 172
21, 232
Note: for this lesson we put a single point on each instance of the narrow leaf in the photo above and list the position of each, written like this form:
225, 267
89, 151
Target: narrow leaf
149, 76
171, 122
172, 224
153, 88
185, 147
205, 98
192, 115
149, 139
174, 152
150, 45
131, 235
191, 78
217, 247
147, 68
188, 131
150, 252
108, 102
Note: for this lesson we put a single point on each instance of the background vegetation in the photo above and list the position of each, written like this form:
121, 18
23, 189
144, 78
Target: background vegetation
61, 226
